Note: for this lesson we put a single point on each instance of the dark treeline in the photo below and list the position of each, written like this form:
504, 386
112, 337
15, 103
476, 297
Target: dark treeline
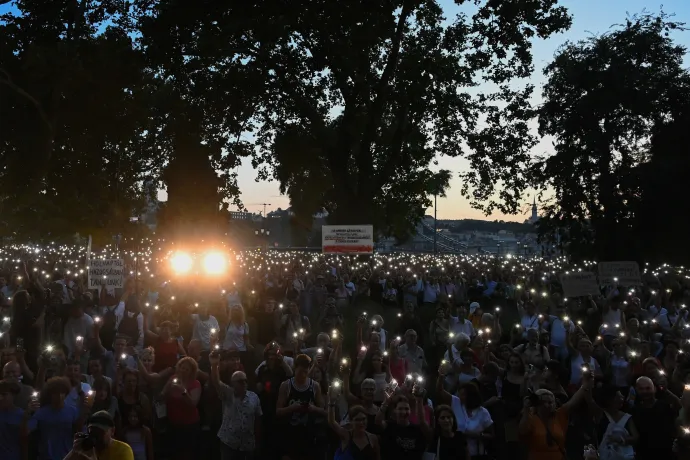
347, 105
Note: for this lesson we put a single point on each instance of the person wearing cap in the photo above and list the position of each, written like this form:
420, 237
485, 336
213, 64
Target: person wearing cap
476, 315
101, 429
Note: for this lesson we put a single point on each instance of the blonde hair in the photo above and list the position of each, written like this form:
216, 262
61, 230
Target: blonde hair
148, 352
240, 308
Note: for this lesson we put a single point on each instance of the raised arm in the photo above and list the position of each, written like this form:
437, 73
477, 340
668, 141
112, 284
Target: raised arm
443, 396
342, 433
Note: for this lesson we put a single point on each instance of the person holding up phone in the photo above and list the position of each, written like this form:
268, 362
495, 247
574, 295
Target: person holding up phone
543, 427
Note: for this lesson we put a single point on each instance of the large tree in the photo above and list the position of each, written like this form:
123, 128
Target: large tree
74, 98
349, 103
604, 99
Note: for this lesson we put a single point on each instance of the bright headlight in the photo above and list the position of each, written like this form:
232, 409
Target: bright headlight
181, 262
214, 263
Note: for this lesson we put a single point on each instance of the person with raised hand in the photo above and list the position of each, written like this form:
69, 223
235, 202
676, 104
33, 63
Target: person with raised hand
401, 439
240, 430
356, 442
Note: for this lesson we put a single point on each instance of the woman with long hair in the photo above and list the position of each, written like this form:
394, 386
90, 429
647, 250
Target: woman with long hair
138, 436
237, 334
103, 399
372, 367
448, 443
396, 364
131, 396
342, 296
182, 393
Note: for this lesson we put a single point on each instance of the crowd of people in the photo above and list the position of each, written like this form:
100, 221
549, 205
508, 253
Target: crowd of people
300, 356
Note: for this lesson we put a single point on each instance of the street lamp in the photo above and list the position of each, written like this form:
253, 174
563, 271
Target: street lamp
264, 234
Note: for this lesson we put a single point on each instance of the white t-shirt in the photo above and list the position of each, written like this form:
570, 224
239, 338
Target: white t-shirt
477, 422
202, 330
234, 337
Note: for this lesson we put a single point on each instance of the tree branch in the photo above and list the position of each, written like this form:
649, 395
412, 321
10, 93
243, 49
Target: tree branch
362, 154
8, 81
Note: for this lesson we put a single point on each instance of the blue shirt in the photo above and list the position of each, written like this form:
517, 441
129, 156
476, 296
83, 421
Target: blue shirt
56, 431
10, 422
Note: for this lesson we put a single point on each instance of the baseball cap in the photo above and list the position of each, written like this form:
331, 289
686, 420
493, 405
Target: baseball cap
101, 419
473, 307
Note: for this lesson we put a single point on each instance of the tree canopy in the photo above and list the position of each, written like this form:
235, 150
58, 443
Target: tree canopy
614, 105
349, 103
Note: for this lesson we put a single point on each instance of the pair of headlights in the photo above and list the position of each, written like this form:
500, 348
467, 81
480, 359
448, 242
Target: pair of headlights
212, 263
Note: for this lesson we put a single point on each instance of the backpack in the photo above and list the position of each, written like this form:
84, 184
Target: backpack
108, 330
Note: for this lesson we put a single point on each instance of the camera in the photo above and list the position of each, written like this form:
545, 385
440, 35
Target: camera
91, 439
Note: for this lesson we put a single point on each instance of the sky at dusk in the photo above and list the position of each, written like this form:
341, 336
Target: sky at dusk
589, 17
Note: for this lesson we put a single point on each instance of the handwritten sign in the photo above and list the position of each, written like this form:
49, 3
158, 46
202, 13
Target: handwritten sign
579, 284
106, 272
620, 273
347, 239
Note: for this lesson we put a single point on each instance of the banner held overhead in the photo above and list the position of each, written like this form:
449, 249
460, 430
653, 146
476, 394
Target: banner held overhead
347, 239
579, 284
106, 272
620, 273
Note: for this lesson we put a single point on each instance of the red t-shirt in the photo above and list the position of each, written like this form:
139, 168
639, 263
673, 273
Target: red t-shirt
398, 369
165, 355
179, 411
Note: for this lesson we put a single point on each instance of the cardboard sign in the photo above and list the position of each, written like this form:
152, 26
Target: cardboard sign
347, 239
106, 272
620, 273
579, 284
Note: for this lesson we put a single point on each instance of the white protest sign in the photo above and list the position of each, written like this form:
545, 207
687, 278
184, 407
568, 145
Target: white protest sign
579, 284
621, 273
106, 272
347, 239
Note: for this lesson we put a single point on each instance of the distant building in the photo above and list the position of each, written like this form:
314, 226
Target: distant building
241, 215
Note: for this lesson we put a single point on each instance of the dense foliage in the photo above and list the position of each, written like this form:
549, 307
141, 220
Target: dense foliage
615, 106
